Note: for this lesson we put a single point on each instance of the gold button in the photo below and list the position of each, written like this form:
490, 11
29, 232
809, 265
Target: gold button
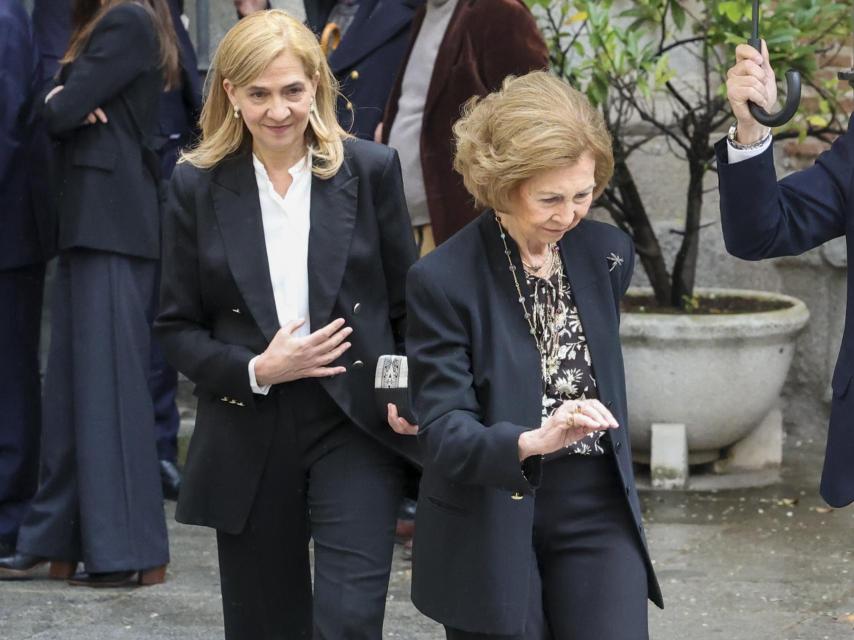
517, 496
349, 106
354, 75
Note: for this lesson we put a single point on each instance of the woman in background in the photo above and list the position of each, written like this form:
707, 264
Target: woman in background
99, 499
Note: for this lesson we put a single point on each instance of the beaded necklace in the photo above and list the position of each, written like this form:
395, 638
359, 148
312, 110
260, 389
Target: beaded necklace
546, 319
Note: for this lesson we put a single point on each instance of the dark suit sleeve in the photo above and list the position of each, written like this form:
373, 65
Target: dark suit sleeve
510, 43
452, 437
15, 78
762, 218
122, 46
397, 244
215, 367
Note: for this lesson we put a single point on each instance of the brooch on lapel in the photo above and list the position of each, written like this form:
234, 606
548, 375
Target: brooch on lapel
615, 261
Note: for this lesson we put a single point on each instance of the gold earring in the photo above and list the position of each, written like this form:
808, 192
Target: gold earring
236, 112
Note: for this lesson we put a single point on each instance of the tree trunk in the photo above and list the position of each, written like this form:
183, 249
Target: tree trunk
685, 266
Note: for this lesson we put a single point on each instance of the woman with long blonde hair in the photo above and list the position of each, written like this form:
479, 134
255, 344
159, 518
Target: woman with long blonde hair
286, 248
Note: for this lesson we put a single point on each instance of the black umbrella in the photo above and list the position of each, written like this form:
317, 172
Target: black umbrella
793, 85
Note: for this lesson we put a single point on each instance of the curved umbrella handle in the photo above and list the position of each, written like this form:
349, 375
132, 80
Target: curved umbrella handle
793, 98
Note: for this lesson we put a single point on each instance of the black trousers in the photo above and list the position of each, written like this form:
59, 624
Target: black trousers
590, 579
99, 498
342, 490
20, 390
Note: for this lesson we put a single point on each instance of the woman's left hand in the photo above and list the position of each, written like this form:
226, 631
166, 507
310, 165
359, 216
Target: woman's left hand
400, 425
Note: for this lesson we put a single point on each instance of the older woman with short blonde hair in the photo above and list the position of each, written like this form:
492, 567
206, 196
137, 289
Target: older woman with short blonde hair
286, 245
528, 518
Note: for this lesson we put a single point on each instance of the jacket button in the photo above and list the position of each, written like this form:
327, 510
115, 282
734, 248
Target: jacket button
618, 445
349, 106
354, 75
358, 364
357, 308
517, 496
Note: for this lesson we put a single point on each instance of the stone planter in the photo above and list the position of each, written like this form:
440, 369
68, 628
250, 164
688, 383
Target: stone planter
719, 375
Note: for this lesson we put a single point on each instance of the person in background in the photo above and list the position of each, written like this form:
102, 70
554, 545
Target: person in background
99, 499
459, 49
22, 265
374, 38
529, 522
763, 218
286, 246
177, 116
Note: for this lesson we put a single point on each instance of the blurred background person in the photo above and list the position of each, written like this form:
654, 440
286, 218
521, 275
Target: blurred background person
374, 39
459, 49
99, 499
22, 264
177, 115
286, 245
528, 516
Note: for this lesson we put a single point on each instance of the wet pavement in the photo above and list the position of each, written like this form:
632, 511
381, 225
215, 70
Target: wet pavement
763, 564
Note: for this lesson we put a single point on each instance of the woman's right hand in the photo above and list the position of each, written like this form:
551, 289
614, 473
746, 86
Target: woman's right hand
572, 421
289, 357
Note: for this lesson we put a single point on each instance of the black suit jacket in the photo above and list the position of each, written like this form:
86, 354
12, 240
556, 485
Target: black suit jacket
367, 62
218, 310
476, 385
106, 190
762, 218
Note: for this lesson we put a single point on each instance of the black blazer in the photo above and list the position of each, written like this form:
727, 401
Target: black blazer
218, 310
476, 385
106, 190
762, 218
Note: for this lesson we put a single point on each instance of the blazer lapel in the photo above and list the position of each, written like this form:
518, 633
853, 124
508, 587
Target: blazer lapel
238, 211
333, 217
593, 296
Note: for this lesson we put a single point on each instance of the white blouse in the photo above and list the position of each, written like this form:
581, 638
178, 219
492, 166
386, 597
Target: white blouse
287, 222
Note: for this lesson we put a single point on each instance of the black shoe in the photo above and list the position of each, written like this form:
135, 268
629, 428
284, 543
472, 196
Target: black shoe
19, 566
170, 479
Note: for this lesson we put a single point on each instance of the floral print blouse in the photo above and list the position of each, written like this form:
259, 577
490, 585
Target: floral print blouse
567, 368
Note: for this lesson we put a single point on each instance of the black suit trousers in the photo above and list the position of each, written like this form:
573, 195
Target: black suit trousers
327, 481
20, 391
591, 581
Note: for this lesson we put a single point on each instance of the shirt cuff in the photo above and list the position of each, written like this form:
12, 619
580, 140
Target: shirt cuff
735, 156
253, 382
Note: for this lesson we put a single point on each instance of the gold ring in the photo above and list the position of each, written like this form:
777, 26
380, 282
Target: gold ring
570, 421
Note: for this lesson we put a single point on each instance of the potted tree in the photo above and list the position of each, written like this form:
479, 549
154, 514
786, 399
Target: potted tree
715, 360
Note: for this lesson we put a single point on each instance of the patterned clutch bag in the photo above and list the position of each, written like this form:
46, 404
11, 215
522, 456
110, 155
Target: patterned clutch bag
391, 384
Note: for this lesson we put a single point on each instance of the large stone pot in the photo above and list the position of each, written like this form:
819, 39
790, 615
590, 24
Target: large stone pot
720, 375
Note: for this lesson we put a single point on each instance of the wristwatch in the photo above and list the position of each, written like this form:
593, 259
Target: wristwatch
731, 137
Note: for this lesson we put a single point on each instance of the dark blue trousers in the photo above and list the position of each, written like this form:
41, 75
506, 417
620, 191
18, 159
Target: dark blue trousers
20, 391
99, 497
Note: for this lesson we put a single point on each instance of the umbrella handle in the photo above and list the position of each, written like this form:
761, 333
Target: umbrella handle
793, 97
